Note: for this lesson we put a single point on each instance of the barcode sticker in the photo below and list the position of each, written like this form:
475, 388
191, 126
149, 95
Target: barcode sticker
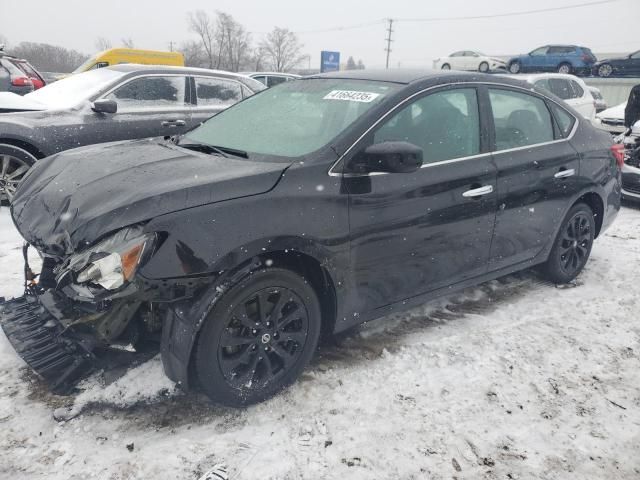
351, 96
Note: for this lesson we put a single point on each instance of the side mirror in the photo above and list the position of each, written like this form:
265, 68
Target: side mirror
104, 106
391, 157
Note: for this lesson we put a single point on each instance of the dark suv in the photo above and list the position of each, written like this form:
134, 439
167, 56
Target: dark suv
309, 207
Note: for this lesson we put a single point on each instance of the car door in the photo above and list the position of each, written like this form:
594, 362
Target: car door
212, 95
148, 106
456, 61
537, 173
415, 232
583, 100
633, 64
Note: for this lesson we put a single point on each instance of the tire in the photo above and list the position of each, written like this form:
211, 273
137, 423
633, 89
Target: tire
445, 66
572, 246
14, 164
605, 70
244, 356
514, 67
565, 67
483, 67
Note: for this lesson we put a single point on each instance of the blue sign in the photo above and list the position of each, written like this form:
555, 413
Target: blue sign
329, 61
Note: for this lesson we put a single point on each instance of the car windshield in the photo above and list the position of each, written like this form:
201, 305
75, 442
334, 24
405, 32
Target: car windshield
294, 118
86, 64
72, 90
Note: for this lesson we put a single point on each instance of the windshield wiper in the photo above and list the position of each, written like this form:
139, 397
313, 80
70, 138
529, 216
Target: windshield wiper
206, 148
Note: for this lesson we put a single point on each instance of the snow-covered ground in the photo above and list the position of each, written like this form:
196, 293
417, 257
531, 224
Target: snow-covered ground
512, 379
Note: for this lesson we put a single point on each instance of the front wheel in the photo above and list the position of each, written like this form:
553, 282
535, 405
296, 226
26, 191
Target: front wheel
14, 164
514, 67
446, 66
483, 67
258, 337
572, 246
605, 70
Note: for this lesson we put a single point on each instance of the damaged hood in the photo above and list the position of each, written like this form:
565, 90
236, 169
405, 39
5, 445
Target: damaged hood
69, 200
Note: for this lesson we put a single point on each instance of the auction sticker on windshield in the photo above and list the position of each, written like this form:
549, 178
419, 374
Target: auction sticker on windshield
351, 96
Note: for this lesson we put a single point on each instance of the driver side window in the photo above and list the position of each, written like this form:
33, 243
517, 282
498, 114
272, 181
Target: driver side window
445, 125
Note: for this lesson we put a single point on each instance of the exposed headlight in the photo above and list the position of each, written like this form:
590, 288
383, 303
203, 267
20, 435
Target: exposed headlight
114, 261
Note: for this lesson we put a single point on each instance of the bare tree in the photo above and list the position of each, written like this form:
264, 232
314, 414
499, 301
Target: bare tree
127, 42
102, 43
194, 54
282, 49
202, 25
49, 58
233, 43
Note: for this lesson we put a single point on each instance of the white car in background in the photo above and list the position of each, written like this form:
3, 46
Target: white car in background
271, 79
567, 87
469, 60
612, 119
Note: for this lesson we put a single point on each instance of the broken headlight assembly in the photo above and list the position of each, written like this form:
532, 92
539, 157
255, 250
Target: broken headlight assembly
112, 262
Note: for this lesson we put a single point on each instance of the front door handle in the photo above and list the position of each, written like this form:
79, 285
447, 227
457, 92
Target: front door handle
564, 173
478, 192
173, 123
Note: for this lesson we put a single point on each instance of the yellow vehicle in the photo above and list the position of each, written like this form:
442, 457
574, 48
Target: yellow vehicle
114, 56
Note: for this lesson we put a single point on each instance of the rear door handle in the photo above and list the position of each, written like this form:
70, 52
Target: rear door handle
173, 123
565, 173
478, 192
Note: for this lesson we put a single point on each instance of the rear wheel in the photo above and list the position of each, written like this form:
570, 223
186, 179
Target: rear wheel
14, 164
605, 70
514, 67
446, 66
572, 246
258, 337
564, 68
483, 67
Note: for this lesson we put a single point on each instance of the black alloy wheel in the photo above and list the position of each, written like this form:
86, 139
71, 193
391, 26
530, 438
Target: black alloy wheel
258, 338
572, 246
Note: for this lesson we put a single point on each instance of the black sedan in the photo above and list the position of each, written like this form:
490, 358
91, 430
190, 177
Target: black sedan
115, 103
307, 208
627, 65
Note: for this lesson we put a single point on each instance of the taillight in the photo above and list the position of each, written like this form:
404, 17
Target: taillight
21, 81
618, 152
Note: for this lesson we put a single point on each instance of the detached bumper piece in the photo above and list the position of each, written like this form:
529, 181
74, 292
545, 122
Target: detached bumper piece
40, 340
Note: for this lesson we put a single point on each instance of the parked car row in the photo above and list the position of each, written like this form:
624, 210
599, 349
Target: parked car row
115, 103
565, 59
18, 76
360, 194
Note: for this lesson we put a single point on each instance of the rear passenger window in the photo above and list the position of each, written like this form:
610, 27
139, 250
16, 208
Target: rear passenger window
444, 124
217, 92
561, 88
273, 81
577, 89
520, 119
564, 119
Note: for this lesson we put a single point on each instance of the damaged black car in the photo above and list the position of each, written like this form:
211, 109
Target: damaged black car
305, 209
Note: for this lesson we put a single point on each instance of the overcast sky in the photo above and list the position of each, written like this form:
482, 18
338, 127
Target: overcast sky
153, 24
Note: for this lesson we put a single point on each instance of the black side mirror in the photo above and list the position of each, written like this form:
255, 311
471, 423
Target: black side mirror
104, 106
391, 157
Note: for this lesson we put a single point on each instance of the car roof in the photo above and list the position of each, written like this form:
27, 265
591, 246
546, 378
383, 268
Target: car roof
408, 76
134, 67
531, 77
280, 74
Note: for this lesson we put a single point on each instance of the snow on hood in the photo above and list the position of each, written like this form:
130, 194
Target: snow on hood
616, 112
13, 102
72, 199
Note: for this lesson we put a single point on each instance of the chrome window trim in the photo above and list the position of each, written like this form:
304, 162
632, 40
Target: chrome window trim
332, 173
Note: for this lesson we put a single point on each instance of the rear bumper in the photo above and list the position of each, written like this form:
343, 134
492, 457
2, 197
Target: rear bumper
52, 351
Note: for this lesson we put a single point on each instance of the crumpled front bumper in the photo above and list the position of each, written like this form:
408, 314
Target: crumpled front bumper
53, 352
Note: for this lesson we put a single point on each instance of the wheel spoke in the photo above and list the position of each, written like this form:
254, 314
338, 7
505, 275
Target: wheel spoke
231, 340
297, 337
281, 352
18, 172
231, 362
5, 165
277, 309
289, 317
